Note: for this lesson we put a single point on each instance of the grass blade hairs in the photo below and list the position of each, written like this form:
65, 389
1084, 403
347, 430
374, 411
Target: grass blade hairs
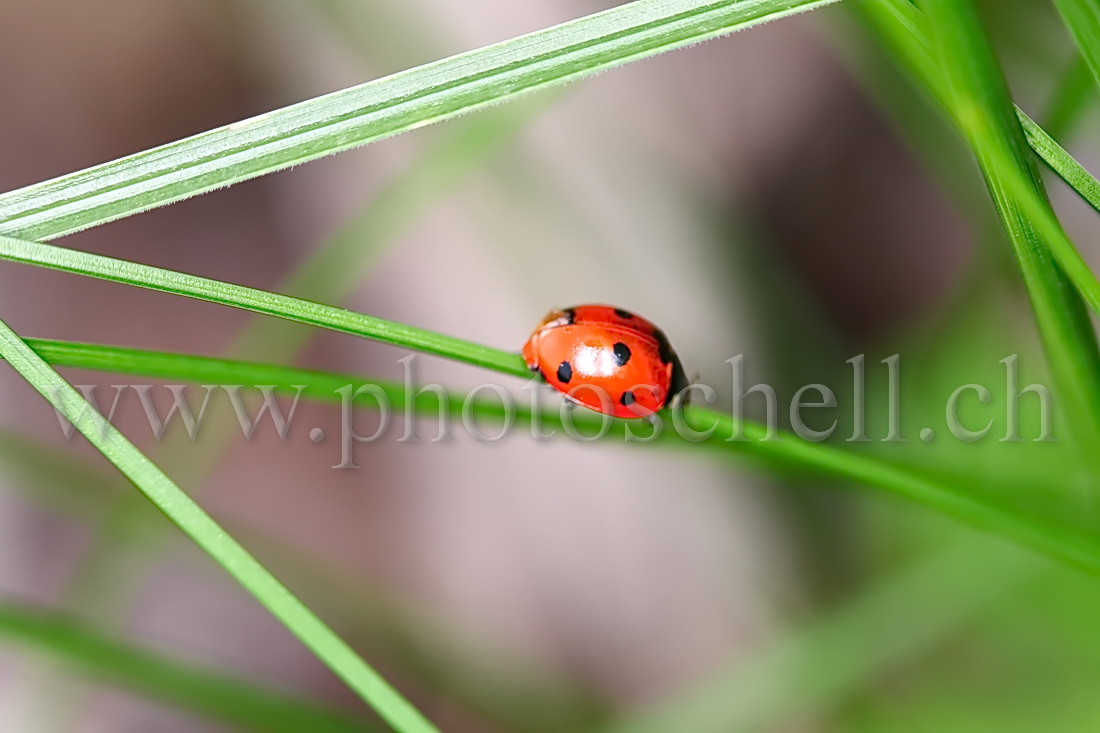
376, 110
206, 533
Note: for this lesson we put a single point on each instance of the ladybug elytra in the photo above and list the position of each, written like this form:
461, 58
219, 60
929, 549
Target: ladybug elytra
607, 359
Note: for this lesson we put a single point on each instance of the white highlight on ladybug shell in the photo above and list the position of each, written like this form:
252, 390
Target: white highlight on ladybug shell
595, 361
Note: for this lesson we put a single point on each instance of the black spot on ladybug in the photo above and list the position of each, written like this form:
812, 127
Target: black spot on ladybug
565, 372
622, 353
570, 316
664, 347
623, 314
627, 399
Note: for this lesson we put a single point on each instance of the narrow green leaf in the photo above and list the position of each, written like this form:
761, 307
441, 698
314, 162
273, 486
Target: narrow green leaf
819, 662
964, 77
790, 454
333, 270
257, 301
376, 110
1070, 99
205, 532
1082, 18
902, 26
981, 103
1061, 162
205, 691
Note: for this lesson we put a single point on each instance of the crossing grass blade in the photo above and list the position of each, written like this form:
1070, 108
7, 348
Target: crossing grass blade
1061, 162
359, 115
206, 533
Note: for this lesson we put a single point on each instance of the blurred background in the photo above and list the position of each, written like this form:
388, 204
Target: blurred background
784, 193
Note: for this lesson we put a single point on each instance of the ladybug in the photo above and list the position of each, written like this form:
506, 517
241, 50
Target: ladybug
607, 359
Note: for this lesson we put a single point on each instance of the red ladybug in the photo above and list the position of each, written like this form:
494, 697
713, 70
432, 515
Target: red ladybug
607, 359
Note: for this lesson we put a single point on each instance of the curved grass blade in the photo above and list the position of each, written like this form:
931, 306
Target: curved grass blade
376, 110
790, 455
205, 691
902, 26
205, 532
966, 79
982, 105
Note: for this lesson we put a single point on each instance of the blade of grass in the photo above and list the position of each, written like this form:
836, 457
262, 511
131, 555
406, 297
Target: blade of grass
205, 691
1071, 97
902, 27
968, 83
258, 301
330, 271
376, 110
510, 690
818, 663
982, 105
334, 270
206, 533
791, 454
1061, 162
1082, 18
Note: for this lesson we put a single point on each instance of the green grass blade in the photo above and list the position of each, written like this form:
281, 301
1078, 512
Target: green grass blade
964, 76
902, 26
257, 301
376, 110
333, 270
206, 691
1070, 99
830, 656
982, 105
792, 451
1061, 162
206, 533
790, 455
1082, 18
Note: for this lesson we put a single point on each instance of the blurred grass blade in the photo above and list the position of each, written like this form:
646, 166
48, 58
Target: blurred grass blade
206, 533
1070, 99
1061, 162
257, 301
332, 271
376, 110
902, 26
964, 76
790, 455
206, 691
1082, 18
983, 108
814, 667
